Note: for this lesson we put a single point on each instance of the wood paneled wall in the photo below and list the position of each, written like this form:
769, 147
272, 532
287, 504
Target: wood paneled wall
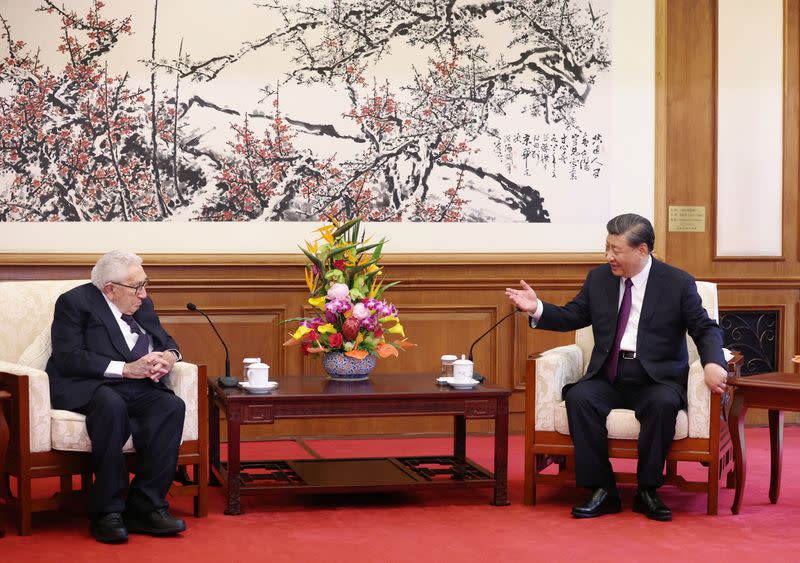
446, 301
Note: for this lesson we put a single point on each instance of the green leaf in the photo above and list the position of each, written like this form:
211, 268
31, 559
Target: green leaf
363, 249
298, 319
341, 250
378, 250
346, 227
355, 269
384, 288
316, 261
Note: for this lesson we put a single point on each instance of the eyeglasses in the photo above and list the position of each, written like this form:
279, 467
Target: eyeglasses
137, 289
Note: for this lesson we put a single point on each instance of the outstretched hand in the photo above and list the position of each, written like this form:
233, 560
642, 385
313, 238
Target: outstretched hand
524, 299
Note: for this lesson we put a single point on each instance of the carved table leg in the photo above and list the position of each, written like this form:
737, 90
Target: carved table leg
459, 437
213, 438
736, 426
776, 454
501, 454
234, 506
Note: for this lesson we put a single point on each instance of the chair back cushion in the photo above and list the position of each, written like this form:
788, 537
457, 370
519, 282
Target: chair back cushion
708, 295
26, 310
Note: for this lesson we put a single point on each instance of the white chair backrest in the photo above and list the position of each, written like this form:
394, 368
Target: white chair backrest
26, 309
708, 295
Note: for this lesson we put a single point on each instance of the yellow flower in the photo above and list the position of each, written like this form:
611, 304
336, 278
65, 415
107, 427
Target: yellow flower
327, 233
301, 331
397, 329
376, 285
310, 279
388, 319
327, 329
318, 302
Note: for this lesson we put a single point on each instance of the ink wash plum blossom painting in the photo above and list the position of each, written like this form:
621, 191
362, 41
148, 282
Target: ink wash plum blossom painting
286, 111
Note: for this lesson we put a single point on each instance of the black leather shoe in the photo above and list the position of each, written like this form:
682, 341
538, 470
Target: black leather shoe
109, 528
602, 501
647, 502
155, 523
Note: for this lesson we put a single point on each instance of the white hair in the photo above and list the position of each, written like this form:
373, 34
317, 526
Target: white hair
113, 267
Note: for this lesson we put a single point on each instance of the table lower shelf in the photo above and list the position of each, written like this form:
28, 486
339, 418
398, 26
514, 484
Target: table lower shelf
357, 474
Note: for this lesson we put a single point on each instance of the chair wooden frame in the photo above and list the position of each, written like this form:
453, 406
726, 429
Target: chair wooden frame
543, 448
26, 466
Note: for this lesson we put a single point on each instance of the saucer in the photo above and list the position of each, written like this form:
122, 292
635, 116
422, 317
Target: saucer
258, 390
459, 383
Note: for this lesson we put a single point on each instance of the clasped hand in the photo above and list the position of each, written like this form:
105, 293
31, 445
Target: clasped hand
154, 365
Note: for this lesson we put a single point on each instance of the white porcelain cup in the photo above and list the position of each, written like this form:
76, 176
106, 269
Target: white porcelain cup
246, 363
462, 369
258, 375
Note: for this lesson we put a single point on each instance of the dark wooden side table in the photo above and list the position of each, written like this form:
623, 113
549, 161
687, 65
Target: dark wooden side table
4, 396
776, 392
382, 395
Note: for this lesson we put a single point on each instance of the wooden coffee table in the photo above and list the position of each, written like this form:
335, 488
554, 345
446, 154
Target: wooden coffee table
776, 392
381, 395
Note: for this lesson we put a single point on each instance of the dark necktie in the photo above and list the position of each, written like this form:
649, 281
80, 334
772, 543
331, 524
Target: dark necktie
142, 345
622, 322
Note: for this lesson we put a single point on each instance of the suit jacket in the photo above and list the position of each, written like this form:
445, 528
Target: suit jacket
670, 308
86, 337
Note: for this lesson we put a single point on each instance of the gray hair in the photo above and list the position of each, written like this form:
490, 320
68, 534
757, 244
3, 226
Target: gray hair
113, 267
637, 230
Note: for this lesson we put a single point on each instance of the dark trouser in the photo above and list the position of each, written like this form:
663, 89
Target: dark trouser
155, 419
656, 406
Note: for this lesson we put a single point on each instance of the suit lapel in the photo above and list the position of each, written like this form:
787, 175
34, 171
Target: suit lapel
655, 288
612, 293
103, 311
145, 320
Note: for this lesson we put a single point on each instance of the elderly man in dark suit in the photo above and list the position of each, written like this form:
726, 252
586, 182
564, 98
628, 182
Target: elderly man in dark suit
110, 355
640, 310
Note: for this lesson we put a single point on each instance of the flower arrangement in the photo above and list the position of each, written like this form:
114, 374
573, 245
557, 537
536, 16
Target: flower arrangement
344, 278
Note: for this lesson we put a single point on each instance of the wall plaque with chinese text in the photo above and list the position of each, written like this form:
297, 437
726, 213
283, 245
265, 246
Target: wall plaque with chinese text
687, 219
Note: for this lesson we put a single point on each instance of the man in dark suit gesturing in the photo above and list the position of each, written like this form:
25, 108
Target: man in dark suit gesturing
640, 310
110, 354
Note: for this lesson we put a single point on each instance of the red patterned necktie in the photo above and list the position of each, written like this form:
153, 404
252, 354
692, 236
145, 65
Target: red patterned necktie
142, 345
622, 322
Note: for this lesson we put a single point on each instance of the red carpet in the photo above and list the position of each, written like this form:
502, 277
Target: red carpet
448, 526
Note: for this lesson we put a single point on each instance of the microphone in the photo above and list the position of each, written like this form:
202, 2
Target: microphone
227, 380
477, 376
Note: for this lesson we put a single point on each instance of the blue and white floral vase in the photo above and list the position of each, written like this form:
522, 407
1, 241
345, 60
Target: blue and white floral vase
344, 368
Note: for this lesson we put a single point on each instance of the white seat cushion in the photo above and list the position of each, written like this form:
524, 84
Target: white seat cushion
69, 433
621, 423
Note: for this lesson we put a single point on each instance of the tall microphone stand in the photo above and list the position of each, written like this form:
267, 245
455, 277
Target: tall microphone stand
227, 380
475, 375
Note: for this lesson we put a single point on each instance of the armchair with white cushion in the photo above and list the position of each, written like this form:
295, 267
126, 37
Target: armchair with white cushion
699, 434
47, 442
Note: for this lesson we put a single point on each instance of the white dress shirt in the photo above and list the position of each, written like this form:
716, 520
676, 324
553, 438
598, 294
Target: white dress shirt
637, 297
114, 368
